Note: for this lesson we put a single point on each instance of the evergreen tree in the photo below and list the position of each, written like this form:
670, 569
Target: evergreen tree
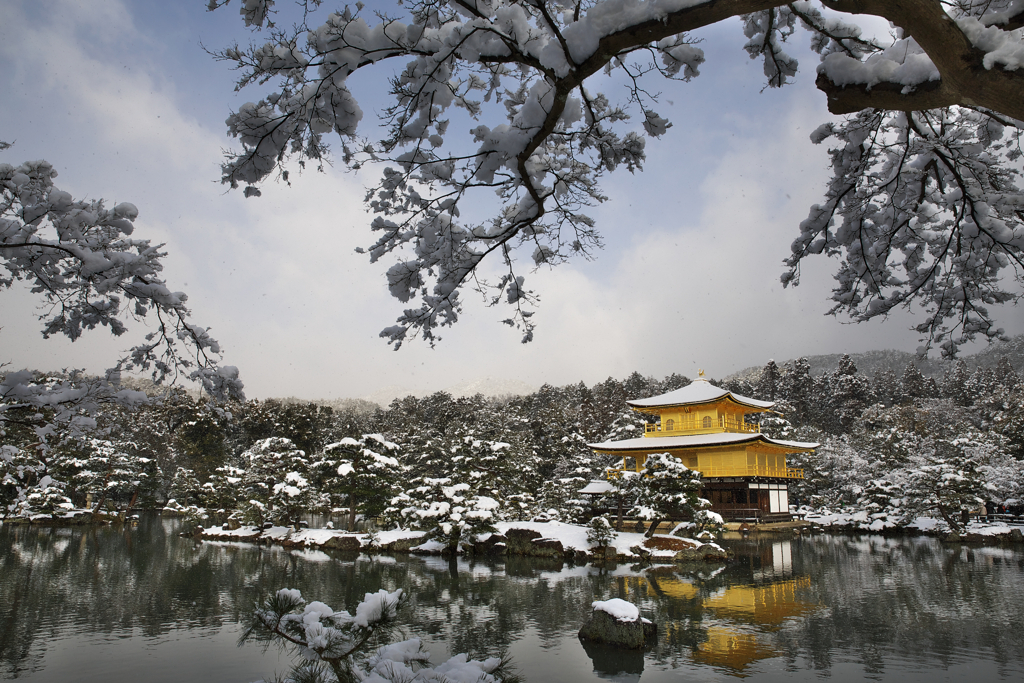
637, 386
799, 391
275, 484
887, 387
769, 383
955, 384
446, 509
1006, 375
666, 489
914, 385
849, 393
185, 487
359, 474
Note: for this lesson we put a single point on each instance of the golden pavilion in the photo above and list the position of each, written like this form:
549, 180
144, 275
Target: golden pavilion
744, 472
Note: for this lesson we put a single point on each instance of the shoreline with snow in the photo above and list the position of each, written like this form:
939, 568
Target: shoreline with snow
567, 542
554, 540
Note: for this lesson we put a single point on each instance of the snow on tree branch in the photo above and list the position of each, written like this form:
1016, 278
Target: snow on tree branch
81, 258
543, 140
924, 207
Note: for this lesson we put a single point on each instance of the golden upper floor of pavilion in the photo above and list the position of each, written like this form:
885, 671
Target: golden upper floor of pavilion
699, 408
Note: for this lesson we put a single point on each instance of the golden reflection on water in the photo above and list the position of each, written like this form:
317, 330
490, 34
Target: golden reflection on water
738, 620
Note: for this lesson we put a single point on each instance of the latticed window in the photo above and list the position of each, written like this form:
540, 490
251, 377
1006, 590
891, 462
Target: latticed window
707, 422
670, 425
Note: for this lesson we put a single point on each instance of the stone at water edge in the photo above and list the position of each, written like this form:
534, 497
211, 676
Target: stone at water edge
618, 623
342, 543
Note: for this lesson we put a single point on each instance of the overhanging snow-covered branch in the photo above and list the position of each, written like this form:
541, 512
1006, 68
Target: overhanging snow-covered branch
543, 139
82, 260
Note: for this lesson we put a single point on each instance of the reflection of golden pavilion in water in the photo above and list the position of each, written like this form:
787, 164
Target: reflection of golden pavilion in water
740, 618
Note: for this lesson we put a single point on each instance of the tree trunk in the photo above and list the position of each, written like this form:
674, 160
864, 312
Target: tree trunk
351, 512
654, 527
131, 503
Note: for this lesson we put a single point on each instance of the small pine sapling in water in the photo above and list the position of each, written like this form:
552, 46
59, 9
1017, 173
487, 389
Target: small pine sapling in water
600, 533
338, 647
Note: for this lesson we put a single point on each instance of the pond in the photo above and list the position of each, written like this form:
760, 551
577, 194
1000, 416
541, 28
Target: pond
111, 605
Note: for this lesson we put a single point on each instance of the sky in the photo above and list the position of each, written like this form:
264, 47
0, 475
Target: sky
122, 98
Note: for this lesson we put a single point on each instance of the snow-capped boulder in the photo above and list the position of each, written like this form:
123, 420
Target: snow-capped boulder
618, 623
707, 552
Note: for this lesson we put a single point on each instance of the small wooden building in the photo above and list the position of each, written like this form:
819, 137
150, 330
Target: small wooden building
745, 473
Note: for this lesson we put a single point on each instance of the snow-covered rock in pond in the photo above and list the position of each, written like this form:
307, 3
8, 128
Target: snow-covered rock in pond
675, 549
532, 543
708, 552
618, 623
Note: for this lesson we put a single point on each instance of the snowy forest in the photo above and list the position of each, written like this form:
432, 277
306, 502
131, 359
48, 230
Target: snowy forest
894, 446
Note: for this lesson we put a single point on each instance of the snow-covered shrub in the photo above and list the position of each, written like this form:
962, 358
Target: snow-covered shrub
46, 499
339, 647
707, 523
447, 510
600, 533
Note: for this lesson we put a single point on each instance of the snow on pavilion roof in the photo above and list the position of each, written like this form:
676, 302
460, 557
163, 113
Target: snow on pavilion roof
668, 443
698, 391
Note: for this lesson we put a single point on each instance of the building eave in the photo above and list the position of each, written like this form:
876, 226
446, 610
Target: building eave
689, 442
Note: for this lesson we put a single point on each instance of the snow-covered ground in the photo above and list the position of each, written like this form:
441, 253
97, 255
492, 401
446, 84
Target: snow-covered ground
861, 520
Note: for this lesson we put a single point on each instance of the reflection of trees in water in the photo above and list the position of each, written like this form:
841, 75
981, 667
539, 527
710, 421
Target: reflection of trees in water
60, 581
914, 596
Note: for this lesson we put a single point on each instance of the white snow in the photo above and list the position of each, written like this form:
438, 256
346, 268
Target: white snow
1002, 48
668, 442
698, 391
376, 605
619, 609
598, 486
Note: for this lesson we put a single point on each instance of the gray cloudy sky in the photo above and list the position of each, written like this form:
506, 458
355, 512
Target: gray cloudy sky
121, 98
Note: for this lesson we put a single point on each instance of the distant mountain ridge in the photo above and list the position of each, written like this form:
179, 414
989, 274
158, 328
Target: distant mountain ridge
870, 362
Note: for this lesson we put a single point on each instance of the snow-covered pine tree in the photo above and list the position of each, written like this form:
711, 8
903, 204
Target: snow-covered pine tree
447, 510
769, 384
666, 489
91, 270
185, 487
275, 484
954, 384
339, 647
849, 393
361, 475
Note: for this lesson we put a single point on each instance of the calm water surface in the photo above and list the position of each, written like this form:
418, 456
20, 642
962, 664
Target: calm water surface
109, 605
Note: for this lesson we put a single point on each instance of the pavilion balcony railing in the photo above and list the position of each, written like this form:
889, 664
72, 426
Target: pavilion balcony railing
734, 471
753, 471
674, 427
